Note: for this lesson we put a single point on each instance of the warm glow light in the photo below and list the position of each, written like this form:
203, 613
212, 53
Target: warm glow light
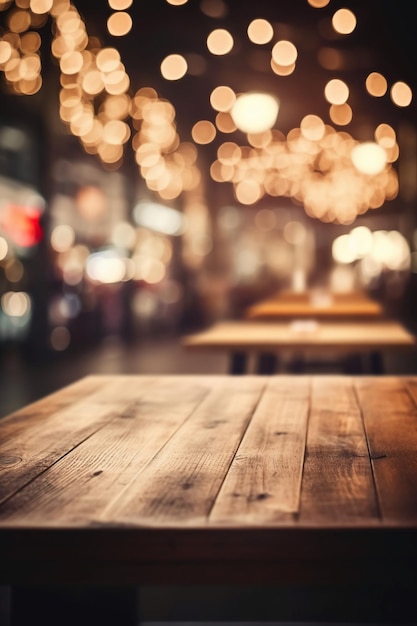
40, 6
344, 249
340, 114
225, 123
375, 250
222, 98
336, 91
255, 112
116, 132
123, 235
203, 132
369, 158
313, 165
344, 21
173, 67
318, 4
119, 24
16, 303
106, 266
108, 59
284, 53
385, 136
62, 238
160, 218
19, 21
4, 248
120, 5
5, 51
401, 94
71, 62
312, 127
376, 84
248, 191
260, 31
220, 41
282, 70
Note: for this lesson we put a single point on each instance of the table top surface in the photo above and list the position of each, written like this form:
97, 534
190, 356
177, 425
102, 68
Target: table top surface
302, 333
115, 470
319, 304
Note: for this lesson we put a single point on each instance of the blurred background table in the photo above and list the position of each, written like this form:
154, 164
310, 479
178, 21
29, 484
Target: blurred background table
316, 303
267, 341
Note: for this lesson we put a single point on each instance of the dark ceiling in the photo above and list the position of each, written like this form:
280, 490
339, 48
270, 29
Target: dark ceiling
383, 41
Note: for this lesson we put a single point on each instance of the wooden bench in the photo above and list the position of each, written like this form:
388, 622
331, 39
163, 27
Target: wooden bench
267, 341
119, 481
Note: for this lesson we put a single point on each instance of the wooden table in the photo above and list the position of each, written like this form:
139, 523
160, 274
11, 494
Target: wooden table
316, 304
275, 480
267, 340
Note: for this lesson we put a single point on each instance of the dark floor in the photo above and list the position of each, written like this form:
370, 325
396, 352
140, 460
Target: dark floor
21, 382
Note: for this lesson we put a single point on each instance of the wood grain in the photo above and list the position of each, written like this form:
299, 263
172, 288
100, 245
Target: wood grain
337, 483
254, 479
391, 424
264, 480
181, 482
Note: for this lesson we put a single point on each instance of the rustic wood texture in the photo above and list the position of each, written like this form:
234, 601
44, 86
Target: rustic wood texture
214, 478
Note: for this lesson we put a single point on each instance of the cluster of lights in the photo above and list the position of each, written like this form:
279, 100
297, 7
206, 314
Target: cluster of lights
314, 166
119, 23
15, 305
372, 251
19, 47
21, 210
167, 165
140, 252
97, 106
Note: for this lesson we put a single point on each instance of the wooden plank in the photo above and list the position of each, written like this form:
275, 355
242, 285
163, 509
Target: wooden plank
37, 436
338, 485
389, 409
138, 422
179, 485
264, 480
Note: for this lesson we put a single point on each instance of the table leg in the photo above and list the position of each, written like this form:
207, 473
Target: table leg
376, 362
238, 363
353, 364
267, 363
74, 604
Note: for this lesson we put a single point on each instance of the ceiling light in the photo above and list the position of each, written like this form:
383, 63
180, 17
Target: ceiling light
255, 112
369, 158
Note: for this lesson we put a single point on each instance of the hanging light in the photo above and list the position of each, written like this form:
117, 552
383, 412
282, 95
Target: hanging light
255, 112
369, 157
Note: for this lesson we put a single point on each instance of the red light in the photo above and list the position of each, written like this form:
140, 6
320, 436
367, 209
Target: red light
22, 225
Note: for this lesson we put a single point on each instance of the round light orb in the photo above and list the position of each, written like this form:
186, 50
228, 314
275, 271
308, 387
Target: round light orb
369, 158
255, 112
